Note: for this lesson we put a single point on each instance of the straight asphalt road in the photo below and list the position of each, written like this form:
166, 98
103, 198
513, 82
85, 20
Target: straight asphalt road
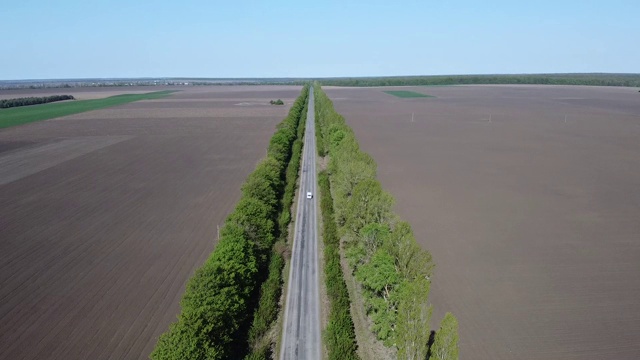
301, 332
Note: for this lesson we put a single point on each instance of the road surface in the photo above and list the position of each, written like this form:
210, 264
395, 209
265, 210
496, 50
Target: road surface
301, 332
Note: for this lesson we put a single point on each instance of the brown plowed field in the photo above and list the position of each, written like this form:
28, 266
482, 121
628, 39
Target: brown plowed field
105, 215
533, 221
84, 93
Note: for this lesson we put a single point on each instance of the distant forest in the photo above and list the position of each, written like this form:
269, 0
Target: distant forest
9, 103
632, 80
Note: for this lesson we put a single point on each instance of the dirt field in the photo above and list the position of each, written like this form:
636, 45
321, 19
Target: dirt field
533, 218
84, 93
105, 215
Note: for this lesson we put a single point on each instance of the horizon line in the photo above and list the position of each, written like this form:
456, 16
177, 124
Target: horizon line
307, 77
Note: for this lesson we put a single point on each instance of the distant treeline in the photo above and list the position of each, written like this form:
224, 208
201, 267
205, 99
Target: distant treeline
26, 101
594, 79
78, 83
393, 271
231, 301
632, 80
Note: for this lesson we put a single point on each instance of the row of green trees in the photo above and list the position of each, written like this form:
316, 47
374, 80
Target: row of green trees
392, 269
267, 311
340, 336
632, 80
230, 297
26, 101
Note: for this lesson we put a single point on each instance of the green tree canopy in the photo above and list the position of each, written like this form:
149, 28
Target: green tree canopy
252, 216
445, 344
414, 315
368, 204
380, 279
412, 260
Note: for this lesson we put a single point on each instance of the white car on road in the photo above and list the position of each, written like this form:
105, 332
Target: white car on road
309, 195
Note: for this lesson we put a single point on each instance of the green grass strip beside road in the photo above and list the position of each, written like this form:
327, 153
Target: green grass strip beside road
407, 94
26, 114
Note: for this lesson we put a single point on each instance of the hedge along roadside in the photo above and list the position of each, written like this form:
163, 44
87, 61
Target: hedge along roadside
271, 289
340, 336
220, 299
319, 134
391, 268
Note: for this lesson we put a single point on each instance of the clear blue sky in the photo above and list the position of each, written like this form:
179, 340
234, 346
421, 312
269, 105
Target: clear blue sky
141, 38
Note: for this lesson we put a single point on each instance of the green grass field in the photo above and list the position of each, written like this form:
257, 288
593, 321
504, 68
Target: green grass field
26, 114
406, 94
